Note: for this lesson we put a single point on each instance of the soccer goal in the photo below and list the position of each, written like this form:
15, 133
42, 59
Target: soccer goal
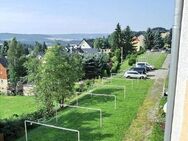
92, 109
50, 126
106, 95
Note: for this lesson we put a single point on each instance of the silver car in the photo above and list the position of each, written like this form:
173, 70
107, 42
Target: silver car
135, 74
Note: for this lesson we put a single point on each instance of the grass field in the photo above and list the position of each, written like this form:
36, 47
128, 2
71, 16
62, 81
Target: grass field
153, 58
18, 105
115, 122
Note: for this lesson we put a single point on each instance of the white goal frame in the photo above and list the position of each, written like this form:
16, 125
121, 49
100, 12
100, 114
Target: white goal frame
92, 109
106, 95
50, 126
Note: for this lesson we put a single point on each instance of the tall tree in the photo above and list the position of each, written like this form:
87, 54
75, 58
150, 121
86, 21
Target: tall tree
4, 49
98, 43
158, 41
44, 47
15, 62
168, 39
54, 78
117, 40
101, 43
128, 44
149, 39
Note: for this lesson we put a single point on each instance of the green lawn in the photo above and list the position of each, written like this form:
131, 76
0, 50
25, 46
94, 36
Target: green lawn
115, 122
153, 58
10, 105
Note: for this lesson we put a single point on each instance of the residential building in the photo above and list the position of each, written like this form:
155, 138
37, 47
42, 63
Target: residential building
138, 42
3, 75
86, 47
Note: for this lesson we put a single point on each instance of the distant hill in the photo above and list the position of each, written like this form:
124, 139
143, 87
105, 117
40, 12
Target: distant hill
49, 39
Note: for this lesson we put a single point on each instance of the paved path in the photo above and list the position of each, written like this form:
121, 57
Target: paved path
160, 73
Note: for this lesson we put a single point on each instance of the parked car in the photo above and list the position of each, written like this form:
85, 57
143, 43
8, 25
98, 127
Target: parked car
140, 70
134, 74
145, 64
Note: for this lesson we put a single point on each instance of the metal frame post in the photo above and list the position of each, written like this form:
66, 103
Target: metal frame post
51, 126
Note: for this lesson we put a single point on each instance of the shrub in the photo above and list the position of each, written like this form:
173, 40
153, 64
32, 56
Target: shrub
115, 67
132, 60
13, 127
141, 51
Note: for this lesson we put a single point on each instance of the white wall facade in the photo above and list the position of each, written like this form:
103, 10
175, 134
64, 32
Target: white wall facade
182, 77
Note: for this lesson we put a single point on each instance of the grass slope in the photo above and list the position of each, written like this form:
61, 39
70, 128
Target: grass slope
10, 105
115, 122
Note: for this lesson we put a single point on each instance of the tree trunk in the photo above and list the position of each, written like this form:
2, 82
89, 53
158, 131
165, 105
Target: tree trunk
121, 55
61, 102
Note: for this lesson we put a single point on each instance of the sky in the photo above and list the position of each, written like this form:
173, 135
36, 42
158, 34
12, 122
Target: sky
83, 16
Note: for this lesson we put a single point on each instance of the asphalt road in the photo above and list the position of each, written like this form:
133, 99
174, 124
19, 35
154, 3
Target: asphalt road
160, 73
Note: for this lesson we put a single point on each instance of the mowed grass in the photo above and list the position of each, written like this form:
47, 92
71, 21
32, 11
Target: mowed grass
16, 105
115, 121
154, 58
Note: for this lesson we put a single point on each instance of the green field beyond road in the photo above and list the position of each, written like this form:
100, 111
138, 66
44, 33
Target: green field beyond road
16, 105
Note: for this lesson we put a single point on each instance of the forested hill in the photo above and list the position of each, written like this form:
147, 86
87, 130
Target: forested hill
49, 39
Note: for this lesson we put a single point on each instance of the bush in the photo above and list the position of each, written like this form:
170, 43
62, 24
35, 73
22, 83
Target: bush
141, 51
115, 67
83, 85
132, 60
13, 127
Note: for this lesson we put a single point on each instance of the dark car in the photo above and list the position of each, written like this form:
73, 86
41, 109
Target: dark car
140, 70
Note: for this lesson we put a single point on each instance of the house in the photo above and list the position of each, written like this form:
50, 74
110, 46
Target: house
86, 47
138, 42
3, 75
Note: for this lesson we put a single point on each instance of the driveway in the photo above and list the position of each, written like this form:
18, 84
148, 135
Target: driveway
162, 72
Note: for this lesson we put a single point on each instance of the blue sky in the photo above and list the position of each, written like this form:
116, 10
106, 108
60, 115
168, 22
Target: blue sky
83, 16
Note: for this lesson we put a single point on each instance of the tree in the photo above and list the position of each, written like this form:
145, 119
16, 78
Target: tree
168, 39
149, 39
44, 47
98, 43
96, 65
39, 49
118, 40
101, 43
128, 46
15, 62
158, 41
55, 76
4, 49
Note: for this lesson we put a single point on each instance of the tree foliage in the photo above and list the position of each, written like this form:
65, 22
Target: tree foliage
39, 49
95, 66
128, 42
55, 76
149, 39
101, 43
158, 41
4, 49
15, 61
